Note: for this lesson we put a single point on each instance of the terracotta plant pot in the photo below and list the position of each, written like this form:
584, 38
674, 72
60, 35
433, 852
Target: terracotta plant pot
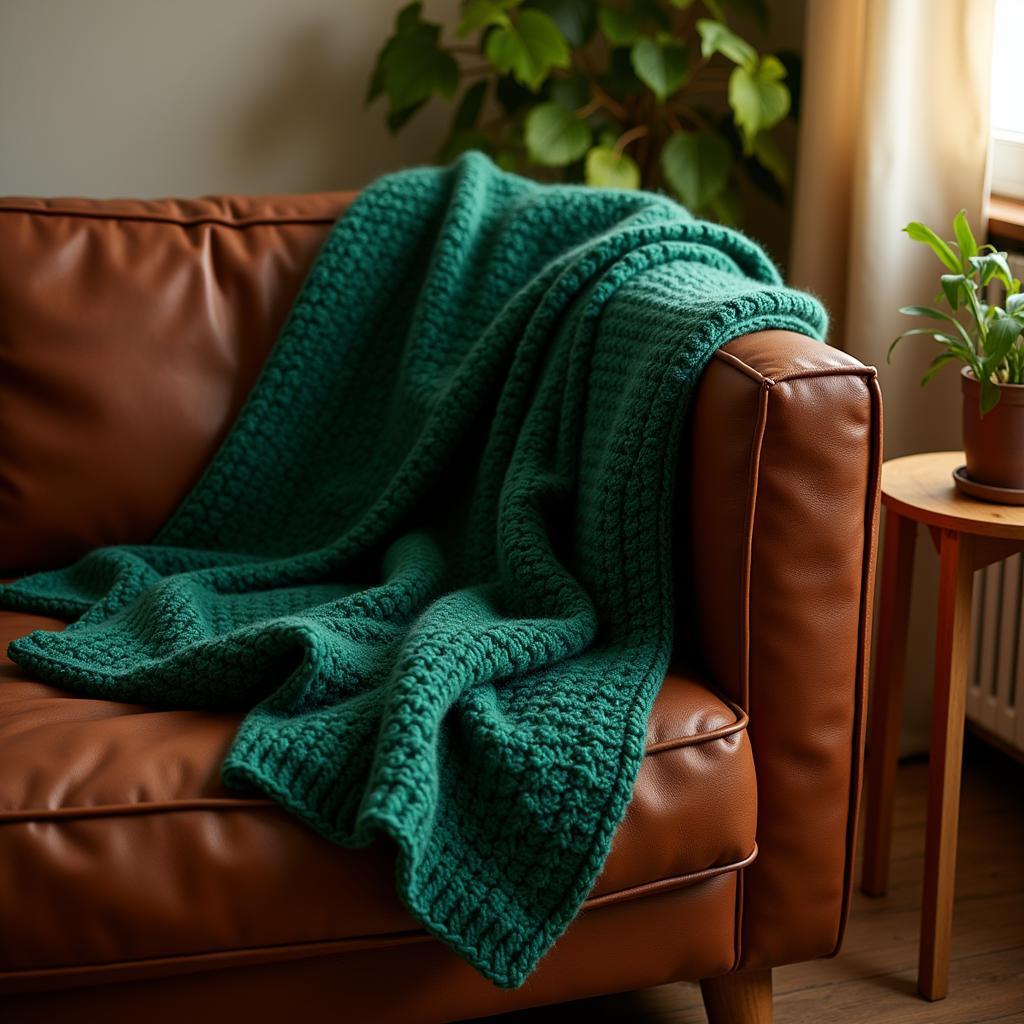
994, 443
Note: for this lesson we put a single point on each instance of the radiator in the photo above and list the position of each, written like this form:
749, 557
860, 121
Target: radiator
995, 677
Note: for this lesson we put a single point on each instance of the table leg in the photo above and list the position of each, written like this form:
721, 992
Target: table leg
887, 698
952, 646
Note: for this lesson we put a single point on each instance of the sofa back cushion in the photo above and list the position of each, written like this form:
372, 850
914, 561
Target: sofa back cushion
130, 335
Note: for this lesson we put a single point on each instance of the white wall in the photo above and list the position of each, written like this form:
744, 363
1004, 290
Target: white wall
186, 97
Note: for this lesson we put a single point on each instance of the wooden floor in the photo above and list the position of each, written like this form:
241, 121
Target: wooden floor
872, 981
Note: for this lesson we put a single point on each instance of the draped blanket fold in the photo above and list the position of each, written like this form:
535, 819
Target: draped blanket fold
432, 559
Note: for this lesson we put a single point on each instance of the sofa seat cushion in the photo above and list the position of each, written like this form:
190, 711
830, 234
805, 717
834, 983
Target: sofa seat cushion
120, 844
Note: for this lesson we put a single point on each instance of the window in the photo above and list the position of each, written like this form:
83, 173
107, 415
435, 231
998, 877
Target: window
1008, 100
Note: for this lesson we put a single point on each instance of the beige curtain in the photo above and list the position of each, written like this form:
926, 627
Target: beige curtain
894, 128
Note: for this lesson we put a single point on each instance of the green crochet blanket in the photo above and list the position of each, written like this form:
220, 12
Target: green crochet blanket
432, 559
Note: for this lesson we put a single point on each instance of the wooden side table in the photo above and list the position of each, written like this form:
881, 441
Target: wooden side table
968, 535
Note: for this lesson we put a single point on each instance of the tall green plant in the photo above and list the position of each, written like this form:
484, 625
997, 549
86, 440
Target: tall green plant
990, 342
621, 93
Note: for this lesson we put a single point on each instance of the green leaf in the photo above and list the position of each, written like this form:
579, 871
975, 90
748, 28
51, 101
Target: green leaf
1002, 333
554, 136
919, 232
991, 266
758, 98
576, 19
696, 166
620, 28
964, 238
935, 314
727, 208
528, 49
397, 119
412, 67
483, 13
989, 394
1015, 303
754, 9
407, 21
608, 169
417, 71
718, 38
572, 92
937, 364
468, 112
660, 64
955, 344
771, 158
938, 314
953, 287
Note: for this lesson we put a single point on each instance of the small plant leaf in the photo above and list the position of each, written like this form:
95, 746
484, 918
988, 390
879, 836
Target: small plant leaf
696, 166
758, 98
964, 239
919, 232
1015, 303
938, 314
620, 27
715, 37
555, 136
576, 19
1002, 333
483, 13
951, 341
608, 169
397, 119
953, 287
989, 394
571, 92
993, 265
660, 64
727, 208
468, 112
937, 364
407, 21
528, 49
771, 158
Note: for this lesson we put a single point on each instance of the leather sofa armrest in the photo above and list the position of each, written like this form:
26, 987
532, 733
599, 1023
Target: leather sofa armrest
784, 483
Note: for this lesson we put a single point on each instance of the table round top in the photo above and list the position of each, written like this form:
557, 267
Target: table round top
921, 487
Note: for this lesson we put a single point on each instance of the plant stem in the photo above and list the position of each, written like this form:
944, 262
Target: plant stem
631, 136
613, 106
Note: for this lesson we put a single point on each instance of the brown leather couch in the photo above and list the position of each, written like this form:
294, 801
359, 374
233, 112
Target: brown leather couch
135, 887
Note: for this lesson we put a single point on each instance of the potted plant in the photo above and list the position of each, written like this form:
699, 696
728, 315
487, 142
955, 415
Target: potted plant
656, 94
986, 338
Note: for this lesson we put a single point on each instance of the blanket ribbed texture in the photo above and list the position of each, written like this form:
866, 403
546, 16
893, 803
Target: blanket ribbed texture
432, 559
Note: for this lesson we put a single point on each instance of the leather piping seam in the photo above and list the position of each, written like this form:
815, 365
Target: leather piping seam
836, 371
183, 222
871, 511
753, 480
324, 947
754, 476
42, 814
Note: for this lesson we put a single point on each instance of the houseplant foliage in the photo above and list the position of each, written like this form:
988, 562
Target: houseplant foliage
984, 336
618, 93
